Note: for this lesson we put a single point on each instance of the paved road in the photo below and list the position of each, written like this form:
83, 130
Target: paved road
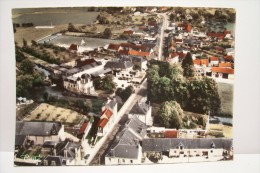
162, 34
98, 156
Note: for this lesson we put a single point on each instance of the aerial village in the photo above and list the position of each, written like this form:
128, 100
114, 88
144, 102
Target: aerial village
124, 85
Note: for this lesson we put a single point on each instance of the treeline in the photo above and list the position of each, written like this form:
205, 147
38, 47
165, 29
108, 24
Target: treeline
167, 83
23, 25
44, 57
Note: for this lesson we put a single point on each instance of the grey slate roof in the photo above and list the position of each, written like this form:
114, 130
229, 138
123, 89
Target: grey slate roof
111, 104
19, 140
126, 144
139, 108
69, 146
57, 159
137, 126
119, 64
165, 144
37, 128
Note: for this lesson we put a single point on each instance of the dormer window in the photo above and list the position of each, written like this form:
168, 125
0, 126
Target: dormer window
180, 146
212, 145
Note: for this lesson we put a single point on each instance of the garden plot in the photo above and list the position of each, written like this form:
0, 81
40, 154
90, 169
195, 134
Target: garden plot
47, 112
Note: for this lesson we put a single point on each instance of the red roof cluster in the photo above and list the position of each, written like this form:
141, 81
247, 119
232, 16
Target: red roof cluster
223, 70
83, 127
105, 116
219, 35
73, 47
214, 58
201, 62
186, 27
229, 58
128, 32
225, 64
171, 133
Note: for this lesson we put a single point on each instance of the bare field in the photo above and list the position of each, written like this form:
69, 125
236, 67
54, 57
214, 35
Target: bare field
47, 112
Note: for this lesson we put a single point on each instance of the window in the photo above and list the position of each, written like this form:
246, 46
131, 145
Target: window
131, 161
53, 163
123, 160
45, 163
211, 151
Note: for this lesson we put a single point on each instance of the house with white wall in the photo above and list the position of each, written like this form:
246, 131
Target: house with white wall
107, 118
126, 149
39, 132
179, 148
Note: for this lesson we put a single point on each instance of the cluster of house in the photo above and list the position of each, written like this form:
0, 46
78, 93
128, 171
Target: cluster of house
78, 75
184, 38
133, 145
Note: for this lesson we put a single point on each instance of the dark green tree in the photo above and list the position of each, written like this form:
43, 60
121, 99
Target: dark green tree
187, 65
24, 43
72, 28
203, 96
170, 115
107, 33
27, 66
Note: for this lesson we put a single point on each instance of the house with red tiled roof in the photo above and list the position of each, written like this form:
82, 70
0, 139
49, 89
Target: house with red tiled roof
85, 128
74, 48
113, 47
214, 61
225, 64
107, 117
128, 32
229, 58
201, 66
171, 134
222, 72
137, 53
173, 58
185, 27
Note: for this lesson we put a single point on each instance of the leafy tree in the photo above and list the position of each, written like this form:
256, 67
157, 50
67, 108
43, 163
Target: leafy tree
82, 106
203, 96
24, 43
34, 43
124, 94
170, 115
45, 96
187, 65
107, 33
37, 79
72, 28
27, 66
24, 84
172, 17
102, 19
106, 84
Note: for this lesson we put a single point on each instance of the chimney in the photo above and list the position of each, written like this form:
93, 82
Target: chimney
65, 153
54, 152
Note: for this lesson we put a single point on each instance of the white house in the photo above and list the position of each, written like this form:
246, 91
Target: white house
199, 147
126, 149
39, 132
82, 84
143, 112
214, 61
107, 118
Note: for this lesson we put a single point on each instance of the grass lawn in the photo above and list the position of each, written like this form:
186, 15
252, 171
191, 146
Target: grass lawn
227, 131
47, 112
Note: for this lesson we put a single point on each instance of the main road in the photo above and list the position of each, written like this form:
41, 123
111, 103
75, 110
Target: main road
164, 26
105, 142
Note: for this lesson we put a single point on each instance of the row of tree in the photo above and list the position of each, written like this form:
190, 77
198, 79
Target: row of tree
167, 83
105, 84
